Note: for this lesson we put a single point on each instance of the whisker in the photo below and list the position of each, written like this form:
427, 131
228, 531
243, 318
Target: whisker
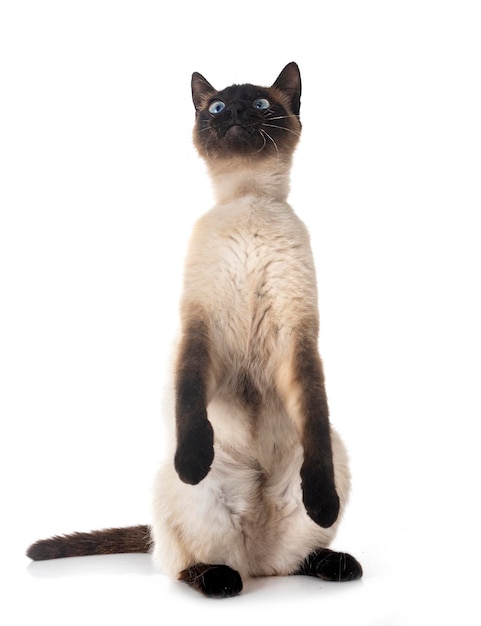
264, 132
263, 139
289, 130
277, 117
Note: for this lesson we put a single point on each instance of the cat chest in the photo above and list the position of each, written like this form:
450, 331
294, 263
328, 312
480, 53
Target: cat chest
252, 272
250, 267
259, 288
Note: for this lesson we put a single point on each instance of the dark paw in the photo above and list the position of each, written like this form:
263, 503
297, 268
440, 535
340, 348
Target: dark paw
195, 453
320, 499
332, 566
322, 510
214, 581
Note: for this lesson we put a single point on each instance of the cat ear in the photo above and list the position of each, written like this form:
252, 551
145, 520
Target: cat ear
201, 90
289, 81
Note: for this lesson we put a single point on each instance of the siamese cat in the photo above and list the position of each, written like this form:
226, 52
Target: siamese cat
257, 480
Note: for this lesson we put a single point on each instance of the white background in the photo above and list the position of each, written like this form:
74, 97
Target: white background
99, 189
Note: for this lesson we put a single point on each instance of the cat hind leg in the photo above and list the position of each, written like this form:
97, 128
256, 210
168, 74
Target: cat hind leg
331, 566
213, 581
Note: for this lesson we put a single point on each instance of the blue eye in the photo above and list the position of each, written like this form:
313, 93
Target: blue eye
261, 104
216, 107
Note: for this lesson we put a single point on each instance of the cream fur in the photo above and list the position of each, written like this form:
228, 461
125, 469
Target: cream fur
250, 270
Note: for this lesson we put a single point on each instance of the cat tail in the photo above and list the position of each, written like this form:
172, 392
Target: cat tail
107, 541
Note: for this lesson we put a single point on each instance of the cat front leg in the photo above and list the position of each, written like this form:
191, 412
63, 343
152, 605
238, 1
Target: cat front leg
302, 384
195, 437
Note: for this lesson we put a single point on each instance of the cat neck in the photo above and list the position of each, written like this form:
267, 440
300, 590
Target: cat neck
238, 180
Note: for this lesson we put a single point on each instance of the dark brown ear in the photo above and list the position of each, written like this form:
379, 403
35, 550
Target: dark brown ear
289, 81
201, 90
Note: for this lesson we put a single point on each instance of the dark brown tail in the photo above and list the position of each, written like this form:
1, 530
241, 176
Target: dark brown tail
108, 541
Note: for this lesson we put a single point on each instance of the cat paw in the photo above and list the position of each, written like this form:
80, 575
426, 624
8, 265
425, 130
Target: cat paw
214, 581
195, 453
320, 499
324, 511
331, 566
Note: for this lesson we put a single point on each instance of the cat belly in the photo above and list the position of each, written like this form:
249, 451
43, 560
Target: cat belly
239, 516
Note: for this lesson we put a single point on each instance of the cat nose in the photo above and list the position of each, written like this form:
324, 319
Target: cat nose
235, 110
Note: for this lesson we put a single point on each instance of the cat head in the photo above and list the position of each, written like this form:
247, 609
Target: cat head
246, 121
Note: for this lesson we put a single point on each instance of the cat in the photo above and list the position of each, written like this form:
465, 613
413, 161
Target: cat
257, 480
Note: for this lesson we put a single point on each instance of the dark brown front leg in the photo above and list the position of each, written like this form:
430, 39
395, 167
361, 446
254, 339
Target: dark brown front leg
305, 396
195, 437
